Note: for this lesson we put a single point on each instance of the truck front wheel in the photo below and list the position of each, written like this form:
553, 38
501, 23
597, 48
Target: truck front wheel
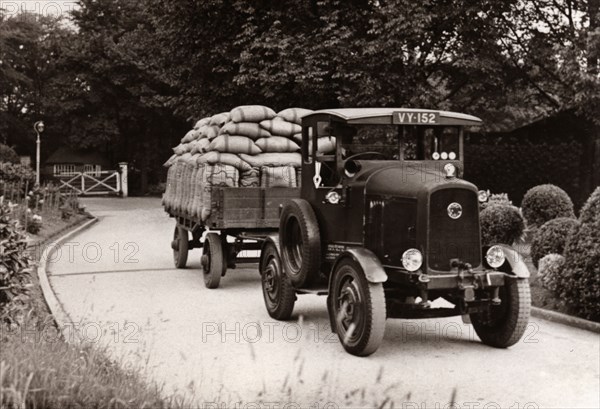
278, 291
357, 308
504, 325
300, 242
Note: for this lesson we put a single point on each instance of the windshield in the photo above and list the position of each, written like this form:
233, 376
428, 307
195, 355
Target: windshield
384, 142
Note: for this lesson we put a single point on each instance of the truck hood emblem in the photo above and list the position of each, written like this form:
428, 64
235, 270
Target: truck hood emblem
454, 210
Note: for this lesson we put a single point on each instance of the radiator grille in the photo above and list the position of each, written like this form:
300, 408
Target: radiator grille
453, 238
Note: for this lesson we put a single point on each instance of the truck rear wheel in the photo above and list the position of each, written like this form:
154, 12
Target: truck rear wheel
504, 325
278, 292
300, 242
180, 245
213, 260
358, 309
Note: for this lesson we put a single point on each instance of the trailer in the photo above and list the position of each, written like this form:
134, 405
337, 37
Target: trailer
246, 214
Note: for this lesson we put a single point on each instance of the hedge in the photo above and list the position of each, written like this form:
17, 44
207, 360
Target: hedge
514, 165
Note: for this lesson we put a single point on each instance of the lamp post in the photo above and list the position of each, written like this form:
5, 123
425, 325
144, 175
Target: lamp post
38, 127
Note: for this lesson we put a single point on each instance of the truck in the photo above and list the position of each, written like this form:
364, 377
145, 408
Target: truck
385, 225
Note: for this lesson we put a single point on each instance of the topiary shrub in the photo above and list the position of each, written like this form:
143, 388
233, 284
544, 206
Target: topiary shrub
551, 237
580, 283
7, 154
590, 212
14, 267
551, 270
501, 224
545, 202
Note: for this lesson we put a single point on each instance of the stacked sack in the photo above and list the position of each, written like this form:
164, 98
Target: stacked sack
250, 146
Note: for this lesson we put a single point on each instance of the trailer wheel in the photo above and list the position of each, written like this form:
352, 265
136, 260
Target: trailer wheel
504, 325
180, 246
278, 292
300, 242
213, 260
357, 309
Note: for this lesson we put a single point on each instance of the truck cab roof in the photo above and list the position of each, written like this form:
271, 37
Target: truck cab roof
399, 116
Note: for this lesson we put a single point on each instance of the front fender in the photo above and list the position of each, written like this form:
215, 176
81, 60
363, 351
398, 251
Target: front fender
370, 265
368, 261
515, 261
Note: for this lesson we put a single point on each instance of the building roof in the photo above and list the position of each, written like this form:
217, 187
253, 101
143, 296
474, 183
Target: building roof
357, 115
69, 155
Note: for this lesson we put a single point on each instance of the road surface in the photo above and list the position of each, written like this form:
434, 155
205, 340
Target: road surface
117, 282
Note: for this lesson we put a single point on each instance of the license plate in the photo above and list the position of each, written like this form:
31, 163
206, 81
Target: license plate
416, 118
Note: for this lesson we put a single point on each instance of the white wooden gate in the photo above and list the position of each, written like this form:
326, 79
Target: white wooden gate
91, 183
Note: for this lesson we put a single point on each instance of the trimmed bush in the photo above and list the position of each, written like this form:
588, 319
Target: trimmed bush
551, 270
7, 154
590, 212
580, 284
551, 238
546, 202
501, 224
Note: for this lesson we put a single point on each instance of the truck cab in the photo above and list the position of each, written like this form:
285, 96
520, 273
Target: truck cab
385, 224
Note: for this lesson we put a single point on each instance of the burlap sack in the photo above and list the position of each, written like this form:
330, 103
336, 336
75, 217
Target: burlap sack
294, 115
196, 210
297, 137
179, 167
231, 159
211, 132
167, 198
214, 176
202, 122
170, 161
192, 135
234, 144
250, 129
279, 176
250, 178
200, 146
179, 149
273, 159
251, 113
192, 191
220, 119
277, 144
280, 127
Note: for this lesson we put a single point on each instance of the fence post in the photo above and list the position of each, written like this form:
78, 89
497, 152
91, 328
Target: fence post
124, 186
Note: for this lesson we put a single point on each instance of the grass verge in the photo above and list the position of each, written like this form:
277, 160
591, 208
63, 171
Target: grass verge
40, 370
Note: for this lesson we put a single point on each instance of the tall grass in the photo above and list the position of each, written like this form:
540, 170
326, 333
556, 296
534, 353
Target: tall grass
44, 372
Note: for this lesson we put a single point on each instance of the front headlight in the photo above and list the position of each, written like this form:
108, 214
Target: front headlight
495, 256
412, 259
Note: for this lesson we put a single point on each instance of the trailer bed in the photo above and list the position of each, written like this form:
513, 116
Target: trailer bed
245, 208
